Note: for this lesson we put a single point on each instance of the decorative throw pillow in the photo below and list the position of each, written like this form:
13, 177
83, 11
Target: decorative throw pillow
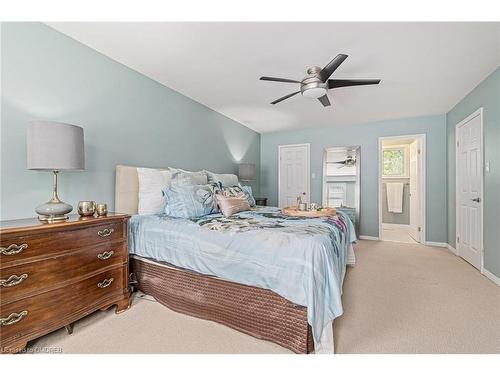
189, 201
226, 179
151, 183
232, 204
248, 193
231, 191
181, 177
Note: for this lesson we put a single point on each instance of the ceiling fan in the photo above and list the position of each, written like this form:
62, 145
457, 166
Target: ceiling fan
350, 161
317, 83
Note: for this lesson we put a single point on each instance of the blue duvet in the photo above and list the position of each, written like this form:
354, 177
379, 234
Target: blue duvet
301, 259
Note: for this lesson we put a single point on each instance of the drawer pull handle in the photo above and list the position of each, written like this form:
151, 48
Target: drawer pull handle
105, 232
13, 249
13, 280
13, 318
105, 283
105, 255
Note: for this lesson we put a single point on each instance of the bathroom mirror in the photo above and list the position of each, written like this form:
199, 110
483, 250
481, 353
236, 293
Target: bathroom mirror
341, 181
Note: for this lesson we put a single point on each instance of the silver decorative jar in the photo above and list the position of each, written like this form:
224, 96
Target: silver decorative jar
102, 209
86, 208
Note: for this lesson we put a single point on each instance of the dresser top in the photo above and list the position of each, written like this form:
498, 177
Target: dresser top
10, 226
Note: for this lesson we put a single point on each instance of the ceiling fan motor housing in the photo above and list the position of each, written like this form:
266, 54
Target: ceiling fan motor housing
312, 86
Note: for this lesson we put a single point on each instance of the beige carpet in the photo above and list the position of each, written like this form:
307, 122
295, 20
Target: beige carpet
399, 298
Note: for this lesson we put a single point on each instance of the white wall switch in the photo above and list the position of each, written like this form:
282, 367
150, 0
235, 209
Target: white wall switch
487, 167
313, 175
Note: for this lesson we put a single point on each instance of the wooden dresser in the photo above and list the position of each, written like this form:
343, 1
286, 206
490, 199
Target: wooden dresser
54, 274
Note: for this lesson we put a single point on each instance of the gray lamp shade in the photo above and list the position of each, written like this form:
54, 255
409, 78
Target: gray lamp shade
247, 172
54, 146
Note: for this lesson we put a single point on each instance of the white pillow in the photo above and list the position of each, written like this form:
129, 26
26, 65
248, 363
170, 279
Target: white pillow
151, 183
183, 177
226, 179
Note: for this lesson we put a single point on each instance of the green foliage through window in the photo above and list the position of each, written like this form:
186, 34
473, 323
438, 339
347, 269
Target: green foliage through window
393, 162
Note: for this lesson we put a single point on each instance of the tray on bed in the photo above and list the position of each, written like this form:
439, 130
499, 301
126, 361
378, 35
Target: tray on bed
293, 211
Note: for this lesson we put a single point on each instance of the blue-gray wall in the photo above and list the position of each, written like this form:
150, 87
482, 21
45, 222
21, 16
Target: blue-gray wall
487, 96
127, 117
366, 136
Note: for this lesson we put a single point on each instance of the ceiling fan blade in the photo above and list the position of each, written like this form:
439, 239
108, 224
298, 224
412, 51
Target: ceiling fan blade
328, 70
334, 83
338, 162
278, 79
324, 100
285, 97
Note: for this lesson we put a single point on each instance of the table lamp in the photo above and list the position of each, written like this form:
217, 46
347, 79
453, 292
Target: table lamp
246, 172
54, 146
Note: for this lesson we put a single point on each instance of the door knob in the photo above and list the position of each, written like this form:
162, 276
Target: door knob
303, 193
476, 200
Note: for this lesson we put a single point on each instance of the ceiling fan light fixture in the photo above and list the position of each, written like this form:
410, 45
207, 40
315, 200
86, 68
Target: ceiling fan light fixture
314, 92
317, 82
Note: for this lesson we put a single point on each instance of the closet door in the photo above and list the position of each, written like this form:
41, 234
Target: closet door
469, 167
293, 174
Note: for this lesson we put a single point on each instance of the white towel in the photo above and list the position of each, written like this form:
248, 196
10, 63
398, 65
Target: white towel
395, 197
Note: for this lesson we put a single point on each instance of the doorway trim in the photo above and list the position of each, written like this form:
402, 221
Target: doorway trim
308, 146
422, 183
478, 112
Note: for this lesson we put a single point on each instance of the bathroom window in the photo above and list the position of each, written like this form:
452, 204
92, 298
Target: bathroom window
395, 162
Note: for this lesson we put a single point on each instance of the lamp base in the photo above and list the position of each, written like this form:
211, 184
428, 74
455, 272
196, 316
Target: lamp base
53, 211
53, 219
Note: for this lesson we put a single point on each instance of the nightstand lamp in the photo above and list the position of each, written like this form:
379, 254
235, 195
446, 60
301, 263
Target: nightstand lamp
246, 172
54, 146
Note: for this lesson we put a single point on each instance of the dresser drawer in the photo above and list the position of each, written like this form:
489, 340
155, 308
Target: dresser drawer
51, 310
21, 248
26, 279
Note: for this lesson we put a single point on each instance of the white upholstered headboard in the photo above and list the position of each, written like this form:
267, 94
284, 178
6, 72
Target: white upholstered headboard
127, 189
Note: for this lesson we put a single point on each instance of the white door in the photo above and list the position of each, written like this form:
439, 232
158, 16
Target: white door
469, 164
414, 191
293, 174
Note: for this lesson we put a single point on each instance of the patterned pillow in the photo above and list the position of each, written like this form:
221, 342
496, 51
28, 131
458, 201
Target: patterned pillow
183, 178
189, 201
248, 193
231, 191
232, 204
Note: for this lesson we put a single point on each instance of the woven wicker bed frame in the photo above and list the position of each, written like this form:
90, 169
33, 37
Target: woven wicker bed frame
258, 312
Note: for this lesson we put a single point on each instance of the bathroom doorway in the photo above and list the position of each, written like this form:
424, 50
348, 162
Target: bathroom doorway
402, 188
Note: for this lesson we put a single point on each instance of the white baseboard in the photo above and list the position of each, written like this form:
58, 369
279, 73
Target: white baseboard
437, 244
369, 238
483, 271
490, 276
452, 249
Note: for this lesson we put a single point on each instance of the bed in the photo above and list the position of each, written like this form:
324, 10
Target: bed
274, 277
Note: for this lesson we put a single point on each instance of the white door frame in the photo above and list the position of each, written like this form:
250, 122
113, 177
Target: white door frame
422, 183
478, 112
308, 165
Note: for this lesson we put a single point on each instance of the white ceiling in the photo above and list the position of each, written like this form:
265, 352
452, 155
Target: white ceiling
426, 68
